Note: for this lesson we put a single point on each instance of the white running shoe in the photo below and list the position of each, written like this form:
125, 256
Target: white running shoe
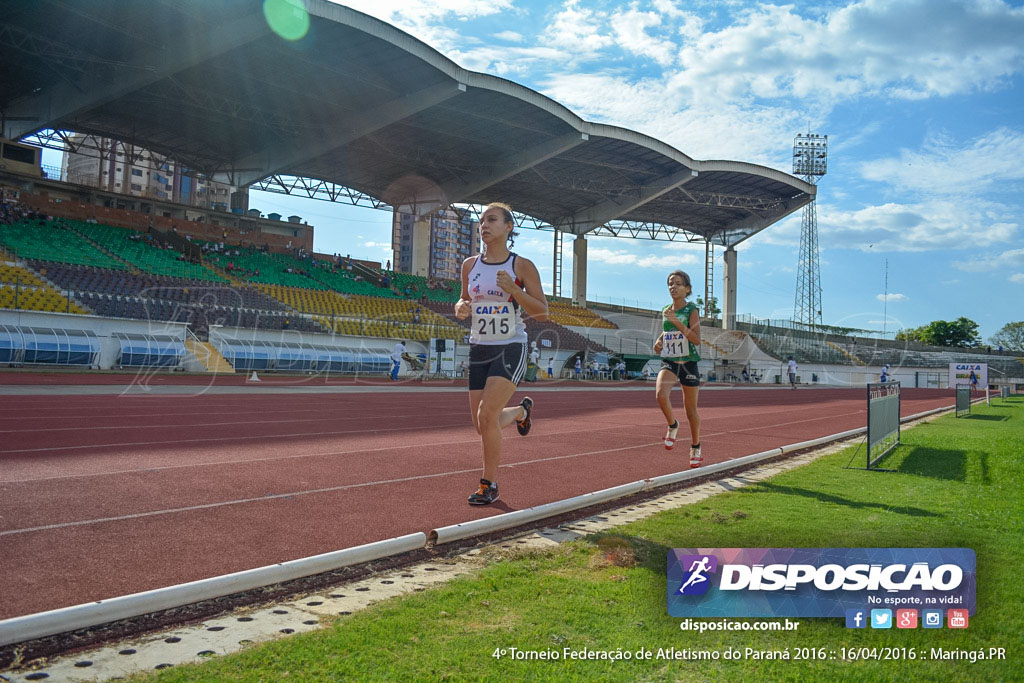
696, 459
670, 436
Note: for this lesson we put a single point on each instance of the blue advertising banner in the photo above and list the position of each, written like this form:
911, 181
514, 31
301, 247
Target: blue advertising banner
816, 582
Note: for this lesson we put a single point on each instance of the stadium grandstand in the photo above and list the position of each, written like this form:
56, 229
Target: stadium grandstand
98, 256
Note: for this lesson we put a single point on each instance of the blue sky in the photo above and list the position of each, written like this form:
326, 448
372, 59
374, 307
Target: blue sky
921, 100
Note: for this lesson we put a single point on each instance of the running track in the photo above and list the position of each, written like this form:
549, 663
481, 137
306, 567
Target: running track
105, 495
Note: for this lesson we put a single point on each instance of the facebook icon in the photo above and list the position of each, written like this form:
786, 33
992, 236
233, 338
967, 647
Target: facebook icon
856, 618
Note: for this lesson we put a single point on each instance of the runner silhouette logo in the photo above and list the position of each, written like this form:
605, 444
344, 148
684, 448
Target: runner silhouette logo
696, 580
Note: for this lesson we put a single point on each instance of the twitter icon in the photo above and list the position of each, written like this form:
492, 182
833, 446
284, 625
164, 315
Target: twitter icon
881, 618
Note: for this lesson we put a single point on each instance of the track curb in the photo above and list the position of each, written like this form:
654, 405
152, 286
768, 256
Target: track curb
42, 624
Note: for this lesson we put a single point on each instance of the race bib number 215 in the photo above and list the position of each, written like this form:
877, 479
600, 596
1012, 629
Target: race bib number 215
493, 322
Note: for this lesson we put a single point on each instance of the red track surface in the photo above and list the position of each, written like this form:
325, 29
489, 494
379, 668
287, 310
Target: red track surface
107, 495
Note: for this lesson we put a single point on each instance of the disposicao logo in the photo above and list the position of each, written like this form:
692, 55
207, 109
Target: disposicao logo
817, 582
696, 581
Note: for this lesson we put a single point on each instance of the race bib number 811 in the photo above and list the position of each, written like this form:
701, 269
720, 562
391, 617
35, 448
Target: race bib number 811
674, 345
493, 322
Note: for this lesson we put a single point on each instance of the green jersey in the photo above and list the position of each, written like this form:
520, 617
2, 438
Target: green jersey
674, 346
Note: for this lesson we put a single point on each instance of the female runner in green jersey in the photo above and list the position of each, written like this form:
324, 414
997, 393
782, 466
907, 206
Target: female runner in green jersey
677, 346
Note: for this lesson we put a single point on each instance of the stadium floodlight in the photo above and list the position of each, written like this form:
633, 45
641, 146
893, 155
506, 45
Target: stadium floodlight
810, 155
810, 160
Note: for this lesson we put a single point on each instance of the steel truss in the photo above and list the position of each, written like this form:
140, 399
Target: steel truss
313, 188
810, 160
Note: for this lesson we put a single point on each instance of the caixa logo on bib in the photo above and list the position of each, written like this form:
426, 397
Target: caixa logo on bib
816, 582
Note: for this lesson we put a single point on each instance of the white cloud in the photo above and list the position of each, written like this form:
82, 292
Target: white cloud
510, 36
504, 60
891, 297
631, 33
424, 18
400, 12
925, 226
980, 263
903, 49
712, 131
1018, 278
378, 245
579, 31
942, 167
619, 257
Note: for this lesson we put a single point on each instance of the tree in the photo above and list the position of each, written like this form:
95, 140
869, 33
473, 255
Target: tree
715, 310
962, 332
1010, 337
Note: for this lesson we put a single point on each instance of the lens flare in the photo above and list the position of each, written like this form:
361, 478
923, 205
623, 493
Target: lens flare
287, 18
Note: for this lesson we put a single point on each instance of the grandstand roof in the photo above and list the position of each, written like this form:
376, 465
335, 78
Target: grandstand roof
360, 104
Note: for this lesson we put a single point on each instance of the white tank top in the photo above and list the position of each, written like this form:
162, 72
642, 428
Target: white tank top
496, 318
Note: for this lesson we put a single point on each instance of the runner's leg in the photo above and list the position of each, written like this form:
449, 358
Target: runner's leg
492, 415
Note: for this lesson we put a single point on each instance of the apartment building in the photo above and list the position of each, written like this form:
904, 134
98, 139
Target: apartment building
127, 169
434, 246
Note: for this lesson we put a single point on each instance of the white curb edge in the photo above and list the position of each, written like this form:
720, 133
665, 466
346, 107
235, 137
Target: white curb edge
456, 532
66, 619
41, 624
463, 530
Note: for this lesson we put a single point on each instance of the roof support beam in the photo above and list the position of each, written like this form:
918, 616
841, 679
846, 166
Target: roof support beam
610, 209
279, 159
57, 107
508, 166
736, 232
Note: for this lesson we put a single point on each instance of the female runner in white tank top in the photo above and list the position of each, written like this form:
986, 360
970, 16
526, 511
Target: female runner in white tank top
498, 287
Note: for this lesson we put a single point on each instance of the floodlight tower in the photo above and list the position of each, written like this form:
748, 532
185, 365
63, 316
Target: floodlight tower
810, 160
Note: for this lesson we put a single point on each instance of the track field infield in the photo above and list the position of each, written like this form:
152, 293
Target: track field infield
958, 483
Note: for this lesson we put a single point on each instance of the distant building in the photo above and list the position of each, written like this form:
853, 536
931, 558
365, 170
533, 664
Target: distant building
434, 246
115, 166
17, 157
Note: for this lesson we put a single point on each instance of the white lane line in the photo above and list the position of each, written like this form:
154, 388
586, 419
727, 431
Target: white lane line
158, 468
330, 489
242, 501
331, 410
191, 425
277, 458
372, 483
50, 449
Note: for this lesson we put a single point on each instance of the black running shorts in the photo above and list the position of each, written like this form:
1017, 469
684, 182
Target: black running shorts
498, 360
685, 371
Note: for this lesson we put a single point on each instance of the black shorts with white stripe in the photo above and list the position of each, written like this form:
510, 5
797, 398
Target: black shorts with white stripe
686, 371
497, 360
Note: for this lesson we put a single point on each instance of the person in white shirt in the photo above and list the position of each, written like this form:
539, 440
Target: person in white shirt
551, 367
396, 359
791, 369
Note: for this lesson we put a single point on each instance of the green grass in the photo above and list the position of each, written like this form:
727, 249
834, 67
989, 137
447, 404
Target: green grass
959, 484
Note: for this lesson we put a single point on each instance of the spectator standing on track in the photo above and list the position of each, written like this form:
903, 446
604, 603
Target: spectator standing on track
677, 346
885, 373
791, 369
396, 359
551, 367
498, 287
578, 367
